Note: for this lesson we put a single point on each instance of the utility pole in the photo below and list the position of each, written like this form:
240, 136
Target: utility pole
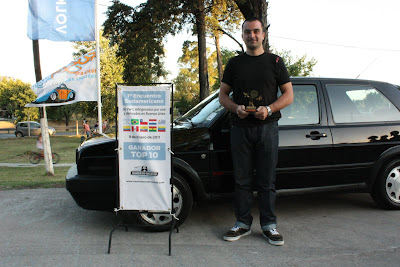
42, 111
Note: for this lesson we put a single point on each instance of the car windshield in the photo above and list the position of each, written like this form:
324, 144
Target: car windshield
203, 112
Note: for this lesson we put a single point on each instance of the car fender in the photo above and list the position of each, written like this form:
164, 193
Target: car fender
385, 157
192, 178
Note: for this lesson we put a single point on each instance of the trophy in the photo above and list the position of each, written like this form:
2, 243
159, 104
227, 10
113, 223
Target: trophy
252, 96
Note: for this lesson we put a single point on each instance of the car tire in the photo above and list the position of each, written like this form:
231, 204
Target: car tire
53, 96
72, 96
386, 190
183, 201
19, 134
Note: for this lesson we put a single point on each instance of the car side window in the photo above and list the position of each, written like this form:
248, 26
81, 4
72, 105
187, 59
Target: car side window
354, 103
304, 110
34, 125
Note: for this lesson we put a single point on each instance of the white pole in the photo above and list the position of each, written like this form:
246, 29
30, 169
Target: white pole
48, 160
97, 36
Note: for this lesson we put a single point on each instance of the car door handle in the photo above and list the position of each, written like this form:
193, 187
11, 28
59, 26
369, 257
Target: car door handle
315, 135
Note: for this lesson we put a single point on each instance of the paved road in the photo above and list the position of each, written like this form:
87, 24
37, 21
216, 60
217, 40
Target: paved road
6, 135
12, 135
44, 227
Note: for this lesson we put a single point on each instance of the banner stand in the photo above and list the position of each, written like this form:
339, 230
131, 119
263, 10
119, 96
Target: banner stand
120, 216
120, 223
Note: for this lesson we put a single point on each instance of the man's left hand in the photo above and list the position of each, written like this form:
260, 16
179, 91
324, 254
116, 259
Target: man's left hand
261, 113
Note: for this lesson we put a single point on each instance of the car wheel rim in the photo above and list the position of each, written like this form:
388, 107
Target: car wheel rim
53, 96
161, 219
393, 185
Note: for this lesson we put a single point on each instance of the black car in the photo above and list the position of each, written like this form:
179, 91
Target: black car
337, 134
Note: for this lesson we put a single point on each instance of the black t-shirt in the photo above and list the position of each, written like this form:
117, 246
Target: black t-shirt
254, 81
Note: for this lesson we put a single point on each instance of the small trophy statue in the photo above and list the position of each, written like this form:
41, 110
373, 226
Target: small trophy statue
252, 96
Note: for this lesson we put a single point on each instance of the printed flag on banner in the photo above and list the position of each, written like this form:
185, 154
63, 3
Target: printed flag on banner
73, 83
61, 20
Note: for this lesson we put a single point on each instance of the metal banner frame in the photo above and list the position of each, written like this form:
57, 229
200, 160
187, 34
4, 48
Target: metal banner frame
120, 221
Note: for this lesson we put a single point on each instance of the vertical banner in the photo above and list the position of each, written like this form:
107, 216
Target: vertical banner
144, 144
61, 20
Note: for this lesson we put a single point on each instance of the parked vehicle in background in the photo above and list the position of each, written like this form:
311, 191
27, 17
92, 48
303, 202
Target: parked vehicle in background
21, 129
338, 134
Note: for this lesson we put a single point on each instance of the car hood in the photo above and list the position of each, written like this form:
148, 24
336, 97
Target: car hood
185, 138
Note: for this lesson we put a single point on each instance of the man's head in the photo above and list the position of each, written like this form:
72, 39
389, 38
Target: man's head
253, 34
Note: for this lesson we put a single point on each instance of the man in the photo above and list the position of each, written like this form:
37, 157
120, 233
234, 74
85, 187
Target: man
254, 78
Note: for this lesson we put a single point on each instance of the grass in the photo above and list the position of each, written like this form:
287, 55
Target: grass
31, 177
17, 150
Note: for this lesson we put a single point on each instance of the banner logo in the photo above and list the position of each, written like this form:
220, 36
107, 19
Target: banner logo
73, 83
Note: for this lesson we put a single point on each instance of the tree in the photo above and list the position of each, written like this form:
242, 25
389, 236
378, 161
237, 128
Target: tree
14, 95
139, 33
62, 113
186, 93
200, 14
224, 17
111, 72
257, 9
297, 66
186, 86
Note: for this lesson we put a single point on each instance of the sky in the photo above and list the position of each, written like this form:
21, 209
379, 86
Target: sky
348, 38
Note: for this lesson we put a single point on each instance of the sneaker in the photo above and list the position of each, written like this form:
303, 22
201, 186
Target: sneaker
235, 233
274, 237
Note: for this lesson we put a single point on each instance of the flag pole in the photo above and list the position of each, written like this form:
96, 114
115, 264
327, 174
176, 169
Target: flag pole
97, 37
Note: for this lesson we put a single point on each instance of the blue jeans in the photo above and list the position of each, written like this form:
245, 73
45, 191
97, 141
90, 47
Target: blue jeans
255, 148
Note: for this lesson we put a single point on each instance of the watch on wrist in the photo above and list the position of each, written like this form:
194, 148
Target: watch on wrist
269, 111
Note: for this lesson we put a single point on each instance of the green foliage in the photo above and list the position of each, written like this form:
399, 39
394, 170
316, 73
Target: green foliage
111, 72
139, 33
14, 95
62, 113
227, 54
297, 66
187, 88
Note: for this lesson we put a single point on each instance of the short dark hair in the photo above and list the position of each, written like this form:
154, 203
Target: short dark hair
254, 19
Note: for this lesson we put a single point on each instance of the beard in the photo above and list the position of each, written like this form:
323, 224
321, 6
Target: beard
253, 45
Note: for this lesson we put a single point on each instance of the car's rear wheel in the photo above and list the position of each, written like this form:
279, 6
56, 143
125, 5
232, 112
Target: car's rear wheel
182, 204
386, 191
72, 96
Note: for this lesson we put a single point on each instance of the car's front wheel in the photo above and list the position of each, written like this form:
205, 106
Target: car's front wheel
53, 96
19, 134
182, 205
386, 191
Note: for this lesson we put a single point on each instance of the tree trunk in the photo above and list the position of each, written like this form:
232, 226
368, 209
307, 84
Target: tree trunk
258, 9
219, 59
201, 33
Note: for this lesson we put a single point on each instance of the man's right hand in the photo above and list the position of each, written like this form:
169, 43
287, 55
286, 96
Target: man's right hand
240, 111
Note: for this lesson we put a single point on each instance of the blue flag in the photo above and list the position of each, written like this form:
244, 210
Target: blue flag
61, 20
